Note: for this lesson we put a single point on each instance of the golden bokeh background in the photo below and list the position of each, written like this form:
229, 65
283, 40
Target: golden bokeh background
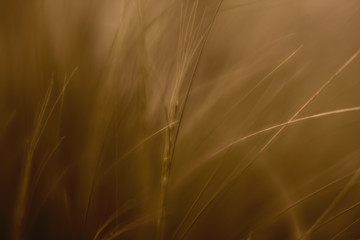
179, 119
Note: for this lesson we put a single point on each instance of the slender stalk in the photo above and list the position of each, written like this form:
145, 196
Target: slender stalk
172, 133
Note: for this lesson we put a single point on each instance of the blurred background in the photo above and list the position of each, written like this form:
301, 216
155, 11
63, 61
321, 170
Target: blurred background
179, 119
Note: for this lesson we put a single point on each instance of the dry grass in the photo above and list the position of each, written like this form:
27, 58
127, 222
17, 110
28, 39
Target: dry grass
179, 119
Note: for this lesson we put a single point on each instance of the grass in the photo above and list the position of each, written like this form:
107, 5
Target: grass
179, 120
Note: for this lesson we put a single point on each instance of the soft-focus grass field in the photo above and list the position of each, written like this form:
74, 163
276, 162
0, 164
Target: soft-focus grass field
179, 119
